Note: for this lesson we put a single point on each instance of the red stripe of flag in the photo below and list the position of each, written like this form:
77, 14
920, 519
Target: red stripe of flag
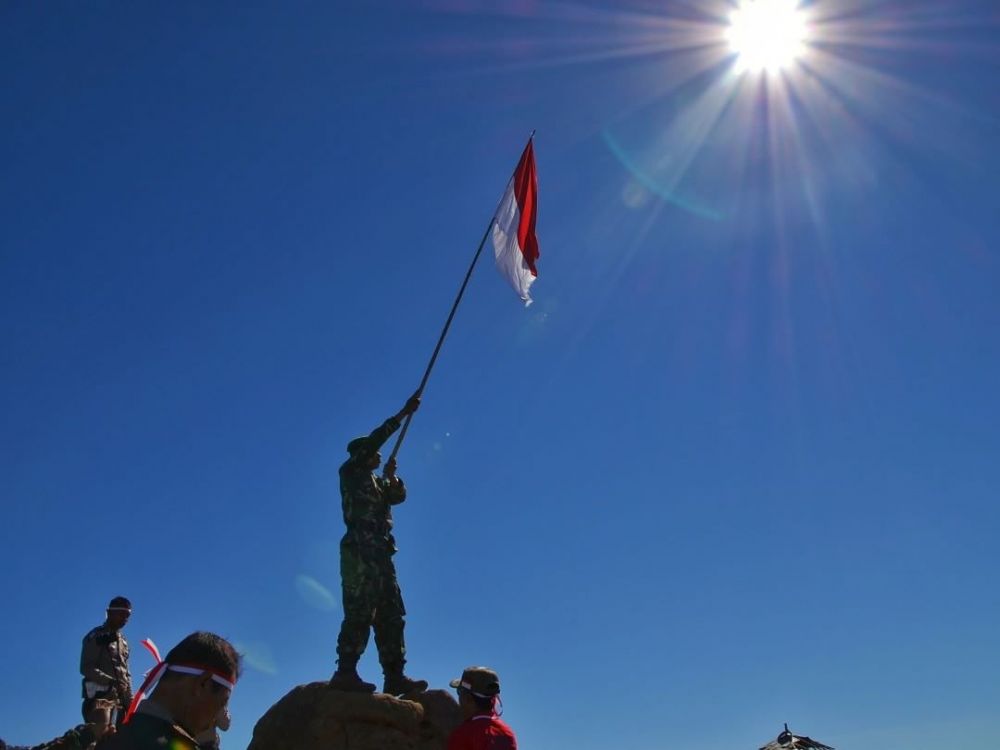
526, 192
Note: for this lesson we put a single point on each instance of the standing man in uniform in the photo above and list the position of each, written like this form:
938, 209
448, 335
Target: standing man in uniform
371, 592
478, 691
104, 662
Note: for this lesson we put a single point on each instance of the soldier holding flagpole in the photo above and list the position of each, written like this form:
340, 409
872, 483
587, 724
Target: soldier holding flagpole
371, 594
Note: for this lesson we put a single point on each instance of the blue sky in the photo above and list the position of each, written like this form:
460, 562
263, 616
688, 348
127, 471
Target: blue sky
735, 466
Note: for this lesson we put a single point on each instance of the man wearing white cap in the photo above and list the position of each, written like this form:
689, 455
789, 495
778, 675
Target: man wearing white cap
478, 693
104, 661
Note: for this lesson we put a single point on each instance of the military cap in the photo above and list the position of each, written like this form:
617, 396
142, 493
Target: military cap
480, 681
357, 445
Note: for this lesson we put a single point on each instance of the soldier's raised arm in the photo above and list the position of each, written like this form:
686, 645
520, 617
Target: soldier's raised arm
363, 447
411, 405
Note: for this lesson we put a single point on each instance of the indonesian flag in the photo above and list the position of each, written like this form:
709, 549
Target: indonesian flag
514, 243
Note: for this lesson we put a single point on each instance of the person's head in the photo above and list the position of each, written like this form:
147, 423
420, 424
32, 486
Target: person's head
478, 689
118, 612
202, 670
359, 448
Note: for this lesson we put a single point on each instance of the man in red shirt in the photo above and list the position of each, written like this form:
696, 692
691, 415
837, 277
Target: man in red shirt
478, 691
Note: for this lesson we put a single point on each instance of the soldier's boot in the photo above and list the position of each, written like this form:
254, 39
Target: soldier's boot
346, 678
397, 683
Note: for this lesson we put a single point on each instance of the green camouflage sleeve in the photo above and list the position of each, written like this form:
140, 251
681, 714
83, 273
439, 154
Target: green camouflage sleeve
375, 440
394, 490
75, 739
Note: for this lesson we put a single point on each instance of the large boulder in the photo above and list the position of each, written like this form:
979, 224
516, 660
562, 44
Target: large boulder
314, 717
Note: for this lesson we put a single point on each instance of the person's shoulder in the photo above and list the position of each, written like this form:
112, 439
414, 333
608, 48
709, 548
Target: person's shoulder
145, 732
94, 633
473, 731
502, 726
500, 722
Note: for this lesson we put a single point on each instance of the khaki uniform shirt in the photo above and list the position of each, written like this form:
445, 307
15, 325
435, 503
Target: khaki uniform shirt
104, 664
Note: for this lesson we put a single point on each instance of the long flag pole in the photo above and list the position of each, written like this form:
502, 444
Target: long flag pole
451, 316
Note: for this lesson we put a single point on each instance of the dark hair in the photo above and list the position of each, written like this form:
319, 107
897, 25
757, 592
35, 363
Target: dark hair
206, 650
120, 601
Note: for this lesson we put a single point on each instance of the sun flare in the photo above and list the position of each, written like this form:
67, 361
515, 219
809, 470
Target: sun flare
766, 35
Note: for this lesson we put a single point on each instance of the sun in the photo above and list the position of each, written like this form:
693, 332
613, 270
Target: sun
766, 35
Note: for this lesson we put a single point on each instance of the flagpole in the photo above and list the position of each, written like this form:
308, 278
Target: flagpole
451, 315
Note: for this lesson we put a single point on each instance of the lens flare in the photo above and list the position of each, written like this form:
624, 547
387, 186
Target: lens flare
314, 593
766, 35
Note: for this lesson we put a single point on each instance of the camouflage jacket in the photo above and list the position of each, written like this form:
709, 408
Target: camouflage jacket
367, 499
104, 662
145, 731
79, 738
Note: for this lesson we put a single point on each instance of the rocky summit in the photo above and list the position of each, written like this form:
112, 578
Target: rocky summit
314, 717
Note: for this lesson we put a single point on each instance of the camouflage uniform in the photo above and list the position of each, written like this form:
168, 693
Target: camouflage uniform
146, 731
368, 576
104, 666
79, 738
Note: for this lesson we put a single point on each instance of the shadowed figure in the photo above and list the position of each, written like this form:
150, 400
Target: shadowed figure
788, 741
372, 599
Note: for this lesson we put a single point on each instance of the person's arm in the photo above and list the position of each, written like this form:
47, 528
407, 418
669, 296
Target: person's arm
377, 437
392, 486
123, 678
90, 657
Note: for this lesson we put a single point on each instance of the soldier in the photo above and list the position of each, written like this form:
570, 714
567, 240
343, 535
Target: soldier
195, 681
368, 576
478, 692
104, 661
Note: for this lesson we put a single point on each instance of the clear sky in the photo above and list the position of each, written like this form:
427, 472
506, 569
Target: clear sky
736, 466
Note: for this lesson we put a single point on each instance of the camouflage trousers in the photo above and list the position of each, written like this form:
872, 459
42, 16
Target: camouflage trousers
106, 702
371, 600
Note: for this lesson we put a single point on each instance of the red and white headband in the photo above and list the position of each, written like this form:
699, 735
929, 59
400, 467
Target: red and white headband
218, 677
154, 675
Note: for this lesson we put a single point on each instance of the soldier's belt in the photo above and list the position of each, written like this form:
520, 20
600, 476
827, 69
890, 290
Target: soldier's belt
369, 527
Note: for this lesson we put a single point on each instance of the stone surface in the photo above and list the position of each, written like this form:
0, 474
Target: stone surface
314, 717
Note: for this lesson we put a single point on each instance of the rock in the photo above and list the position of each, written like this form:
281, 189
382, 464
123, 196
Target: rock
441, 716
314, 717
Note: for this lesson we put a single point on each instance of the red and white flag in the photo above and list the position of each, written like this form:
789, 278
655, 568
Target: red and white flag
514, 243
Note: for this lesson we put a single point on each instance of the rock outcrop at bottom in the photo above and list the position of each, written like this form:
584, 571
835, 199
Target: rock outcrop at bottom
314, 717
